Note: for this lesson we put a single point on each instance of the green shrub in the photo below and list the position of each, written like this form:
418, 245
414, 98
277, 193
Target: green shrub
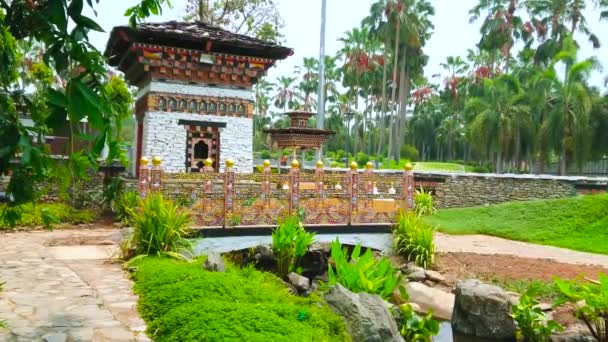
362, 273
362, 159
182, 302
112, 189
590, 300
532, 324
409, 152
125, 204
289, 243
160, 227
265, 154
424, 202
415, 328
413, 239
43, 214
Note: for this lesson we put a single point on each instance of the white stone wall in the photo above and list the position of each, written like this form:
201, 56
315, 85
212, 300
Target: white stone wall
164, 137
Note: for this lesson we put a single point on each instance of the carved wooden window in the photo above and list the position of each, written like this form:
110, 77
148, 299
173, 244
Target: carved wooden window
241, 109
192, 105
202, 106
231, 108
212, 107
222, 107
162, 103
173, 104
183, 104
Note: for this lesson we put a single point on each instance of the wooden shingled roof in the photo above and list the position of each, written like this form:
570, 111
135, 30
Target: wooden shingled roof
191, 35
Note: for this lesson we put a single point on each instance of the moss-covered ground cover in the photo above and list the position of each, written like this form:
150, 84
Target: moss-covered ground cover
579, 223
32, 215
182, 302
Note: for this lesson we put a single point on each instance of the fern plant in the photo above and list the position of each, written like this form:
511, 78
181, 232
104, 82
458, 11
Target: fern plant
532, 324
160, 227
413, 239
424, 203
363, 273
290, 241
590, 301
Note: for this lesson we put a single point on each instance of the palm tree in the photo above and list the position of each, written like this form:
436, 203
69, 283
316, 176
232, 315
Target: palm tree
310, 81
566, 127
286, 96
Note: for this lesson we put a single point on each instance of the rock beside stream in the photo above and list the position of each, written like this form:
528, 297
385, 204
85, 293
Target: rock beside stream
482, 310
366, 316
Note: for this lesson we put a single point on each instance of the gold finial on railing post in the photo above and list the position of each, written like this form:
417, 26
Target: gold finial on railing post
369, 177
408, 185
208, 169
156, 174
144, 184
228, 192
294, 187
353, 206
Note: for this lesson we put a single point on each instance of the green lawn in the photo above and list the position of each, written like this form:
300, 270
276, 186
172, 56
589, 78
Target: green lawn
432, 166
182, 302
579, 223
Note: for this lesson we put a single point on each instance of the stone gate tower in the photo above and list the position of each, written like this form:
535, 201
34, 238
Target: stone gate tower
195, 96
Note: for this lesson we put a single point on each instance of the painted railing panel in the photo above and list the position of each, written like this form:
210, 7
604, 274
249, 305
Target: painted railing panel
231, 199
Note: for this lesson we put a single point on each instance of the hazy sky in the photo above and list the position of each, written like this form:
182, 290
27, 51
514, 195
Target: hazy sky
453, 34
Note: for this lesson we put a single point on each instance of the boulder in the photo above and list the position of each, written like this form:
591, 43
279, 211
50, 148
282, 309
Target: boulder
434, 276
214, 263
441, 302
302, 284
418, 275
482, 310
366, 316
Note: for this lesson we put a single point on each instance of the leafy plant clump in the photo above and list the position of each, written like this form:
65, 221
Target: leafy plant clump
182, 302
590, 300
413, 239
43, 214
125, 204
417, 328
532, 325
363, 273
3, 323
160, 227
290, 241
424, 203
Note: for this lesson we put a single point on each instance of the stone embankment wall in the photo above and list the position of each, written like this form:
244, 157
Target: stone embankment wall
468, 191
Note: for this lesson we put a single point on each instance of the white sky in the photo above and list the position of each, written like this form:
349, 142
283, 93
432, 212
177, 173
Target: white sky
453, 34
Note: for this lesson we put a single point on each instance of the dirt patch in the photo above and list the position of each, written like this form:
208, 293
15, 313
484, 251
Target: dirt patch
84, 240
456, 266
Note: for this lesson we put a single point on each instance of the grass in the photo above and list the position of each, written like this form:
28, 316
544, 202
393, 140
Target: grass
32, 215
547, 291
433, 166
182, 302
579, 223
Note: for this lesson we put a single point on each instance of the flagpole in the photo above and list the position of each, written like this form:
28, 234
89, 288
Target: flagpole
321, 94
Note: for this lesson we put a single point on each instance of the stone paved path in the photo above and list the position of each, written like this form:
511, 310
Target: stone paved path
66, 293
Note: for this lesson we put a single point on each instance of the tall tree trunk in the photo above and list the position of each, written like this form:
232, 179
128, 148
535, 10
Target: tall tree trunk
563, 163
499, 161
403, 92
391, 146
384, 102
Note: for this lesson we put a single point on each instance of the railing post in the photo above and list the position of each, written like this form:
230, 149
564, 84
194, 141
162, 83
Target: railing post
353, 185
228, 191
408, 186
208, 185
143, 184
156, 174
369, 183
319, 174
266, 191
294, 187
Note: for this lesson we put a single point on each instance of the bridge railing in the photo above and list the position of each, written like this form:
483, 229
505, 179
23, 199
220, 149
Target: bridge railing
229, 199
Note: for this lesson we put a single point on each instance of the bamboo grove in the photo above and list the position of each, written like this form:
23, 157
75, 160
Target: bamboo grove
519, 100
